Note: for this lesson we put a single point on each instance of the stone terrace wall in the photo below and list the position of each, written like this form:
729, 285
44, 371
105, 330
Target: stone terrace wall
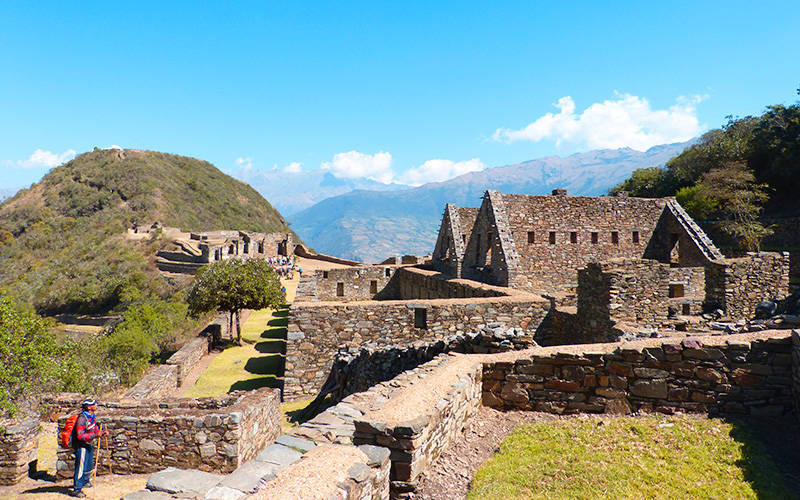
18, 448
316, 331
211, 434
417, 442
738, 285
628, 290
544, 266
735, 377
162, 381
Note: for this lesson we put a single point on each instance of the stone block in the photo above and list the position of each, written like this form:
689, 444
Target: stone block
296, 443
250, 476
223, 493
652, 388
182, 482
279, 455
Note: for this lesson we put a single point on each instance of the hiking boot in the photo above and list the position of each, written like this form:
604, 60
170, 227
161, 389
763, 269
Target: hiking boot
88, 485
77, 494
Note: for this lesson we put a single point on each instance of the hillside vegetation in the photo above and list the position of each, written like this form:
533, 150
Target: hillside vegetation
63, 249
62, 245
734, 174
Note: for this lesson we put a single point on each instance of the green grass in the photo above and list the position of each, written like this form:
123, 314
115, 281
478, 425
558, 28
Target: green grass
643, 457
255, 364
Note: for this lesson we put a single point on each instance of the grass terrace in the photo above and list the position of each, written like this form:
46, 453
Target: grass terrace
637, 457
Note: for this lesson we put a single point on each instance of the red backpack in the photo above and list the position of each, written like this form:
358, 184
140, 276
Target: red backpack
66, 432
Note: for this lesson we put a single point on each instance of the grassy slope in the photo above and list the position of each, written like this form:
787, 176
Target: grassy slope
68, 253
649, 457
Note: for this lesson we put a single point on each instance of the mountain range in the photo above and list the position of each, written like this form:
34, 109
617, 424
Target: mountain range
292, 192
370, 225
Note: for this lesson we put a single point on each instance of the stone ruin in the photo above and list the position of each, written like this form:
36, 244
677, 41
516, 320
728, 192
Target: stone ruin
188, 253
655, 303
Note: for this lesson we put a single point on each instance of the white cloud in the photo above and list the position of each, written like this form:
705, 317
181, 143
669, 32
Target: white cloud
355, 164
114, 146
626, 121
244, 163
293, 168
46, 159
439, 170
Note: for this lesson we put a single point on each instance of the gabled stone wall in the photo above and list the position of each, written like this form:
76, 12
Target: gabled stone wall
738, 285
546, 263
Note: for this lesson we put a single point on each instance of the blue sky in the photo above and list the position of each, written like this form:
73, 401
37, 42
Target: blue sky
401, 91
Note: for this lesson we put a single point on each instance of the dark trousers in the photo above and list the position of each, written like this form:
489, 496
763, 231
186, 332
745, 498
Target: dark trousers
83, 466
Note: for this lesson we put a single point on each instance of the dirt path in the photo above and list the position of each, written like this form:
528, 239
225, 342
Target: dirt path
449, 477
105, 488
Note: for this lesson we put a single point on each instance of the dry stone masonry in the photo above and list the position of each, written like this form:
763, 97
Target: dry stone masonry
737, 285
18, 447
209, 434
694, 375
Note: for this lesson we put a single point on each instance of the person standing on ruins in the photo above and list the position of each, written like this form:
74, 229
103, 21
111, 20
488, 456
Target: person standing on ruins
83, 434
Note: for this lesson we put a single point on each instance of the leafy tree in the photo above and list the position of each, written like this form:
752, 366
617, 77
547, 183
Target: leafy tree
740, 202
650, 182
233, 285
696, 201
775, 157
29, 356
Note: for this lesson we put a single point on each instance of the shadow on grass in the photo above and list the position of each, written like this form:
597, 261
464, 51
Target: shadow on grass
257, 383
306, 413
771, 454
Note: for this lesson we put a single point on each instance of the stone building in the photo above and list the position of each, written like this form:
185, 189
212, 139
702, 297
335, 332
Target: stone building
538, 243
187, 255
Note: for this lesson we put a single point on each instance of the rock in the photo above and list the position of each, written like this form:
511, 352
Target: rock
655, 388
296, 443
250, 476
178, 481
376, 455
147, 495
223, 493
359, 472
279, 454
617, 407
150, 445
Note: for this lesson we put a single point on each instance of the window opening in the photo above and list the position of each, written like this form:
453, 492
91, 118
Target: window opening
421, 318
388, 272
325, 274
340, 289
373, 287
594, 238
573, 237
531, 238
615, 237
552, 237
635, 236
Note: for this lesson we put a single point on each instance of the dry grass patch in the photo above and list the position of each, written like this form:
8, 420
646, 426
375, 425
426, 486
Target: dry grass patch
637, 457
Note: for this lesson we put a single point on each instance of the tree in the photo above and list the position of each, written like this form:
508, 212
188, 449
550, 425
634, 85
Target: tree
29, 356
740, 201
651, 182
233, 285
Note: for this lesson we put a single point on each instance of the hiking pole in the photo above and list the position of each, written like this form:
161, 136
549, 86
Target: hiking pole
96, 463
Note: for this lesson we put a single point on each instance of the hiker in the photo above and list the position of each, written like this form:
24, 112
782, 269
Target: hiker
83, 434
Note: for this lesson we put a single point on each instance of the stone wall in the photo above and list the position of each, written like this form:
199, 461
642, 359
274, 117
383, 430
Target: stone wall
162, 381
316, 331
545, 262
210, 434
692, 279
357, 369
350, 284
413, 283
416, 443
18, 447
623, 290
737, 285
694, 375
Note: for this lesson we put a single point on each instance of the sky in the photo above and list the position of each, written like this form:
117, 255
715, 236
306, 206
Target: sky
406, 92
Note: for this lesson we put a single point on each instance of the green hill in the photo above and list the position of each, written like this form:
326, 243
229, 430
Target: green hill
62, 243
